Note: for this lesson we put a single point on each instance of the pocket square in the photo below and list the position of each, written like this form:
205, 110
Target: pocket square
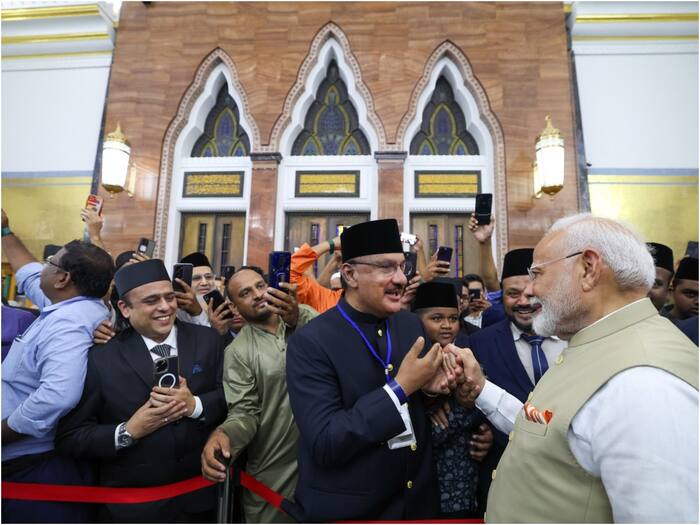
196, 369
532, 414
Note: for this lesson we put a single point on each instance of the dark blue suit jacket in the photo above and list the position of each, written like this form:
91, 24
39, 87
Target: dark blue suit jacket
495, 350
345, 418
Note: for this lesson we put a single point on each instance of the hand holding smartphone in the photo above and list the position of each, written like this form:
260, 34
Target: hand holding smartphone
218, 299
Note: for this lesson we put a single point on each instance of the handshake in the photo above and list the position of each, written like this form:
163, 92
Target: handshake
440, 371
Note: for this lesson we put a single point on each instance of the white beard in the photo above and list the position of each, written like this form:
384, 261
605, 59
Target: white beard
560, 313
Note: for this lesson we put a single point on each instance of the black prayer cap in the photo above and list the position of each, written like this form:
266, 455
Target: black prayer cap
435, 295
123, 258
662, 254
196, 259
456, 283
687, 269
516, 262
134, 275
371, 238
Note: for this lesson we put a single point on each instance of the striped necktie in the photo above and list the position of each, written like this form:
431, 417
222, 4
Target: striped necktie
539, 360
161, 350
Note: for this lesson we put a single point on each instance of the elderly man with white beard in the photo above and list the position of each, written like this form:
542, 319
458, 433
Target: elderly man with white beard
610, 433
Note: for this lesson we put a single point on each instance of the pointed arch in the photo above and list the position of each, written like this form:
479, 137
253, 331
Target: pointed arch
300, 96
482, 122
216, 70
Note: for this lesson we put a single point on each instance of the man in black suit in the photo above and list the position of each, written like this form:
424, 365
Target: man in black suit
144, 435
354, 378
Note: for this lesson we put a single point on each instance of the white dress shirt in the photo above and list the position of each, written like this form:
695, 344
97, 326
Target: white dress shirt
551, 346
638, 434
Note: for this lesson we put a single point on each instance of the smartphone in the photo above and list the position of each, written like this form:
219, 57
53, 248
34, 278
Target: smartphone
411, 262
444, 253
474, 294
278, 268
483, 208
227, 272
218, 301
166, 372
146, 247
692, 249
182, 271
95, 203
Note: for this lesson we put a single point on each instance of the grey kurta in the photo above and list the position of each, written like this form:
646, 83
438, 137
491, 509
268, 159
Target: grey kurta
259, 415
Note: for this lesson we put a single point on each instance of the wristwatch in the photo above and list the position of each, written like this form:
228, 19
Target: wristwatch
124, 439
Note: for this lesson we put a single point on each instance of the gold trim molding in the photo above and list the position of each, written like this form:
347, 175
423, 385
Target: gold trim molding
637, 38
62, 37
57, 55
636, 18
34, 13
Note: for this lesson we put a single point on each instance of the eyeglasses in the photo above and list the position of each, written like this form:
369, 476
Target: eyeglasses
533, 274
385, 268
49, 261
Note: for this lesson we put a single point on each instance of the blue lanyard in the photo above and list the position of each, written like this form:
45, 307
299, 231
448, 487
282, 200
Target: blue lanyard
385, 364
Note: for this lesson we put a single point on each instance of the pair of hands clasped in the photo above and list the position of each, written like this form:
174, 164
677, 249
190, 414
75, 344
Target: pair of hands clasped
163, 406
441, 371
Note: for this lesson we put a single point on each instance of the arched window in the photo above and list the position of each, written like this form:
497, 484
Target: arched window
223, 135
442, 130
331, 126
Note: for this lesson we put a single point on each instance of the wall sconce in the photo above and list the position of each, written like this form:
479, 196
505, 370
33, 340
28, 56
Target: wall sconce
549, 161
116, 152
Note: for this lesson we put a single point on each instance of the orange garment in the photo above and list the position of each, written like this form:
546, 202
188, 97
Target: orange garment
309, 291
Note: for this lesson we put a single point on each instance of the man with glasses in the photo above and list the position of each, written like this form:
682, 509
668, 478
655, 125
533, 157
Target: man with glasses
355, 378
44, 371
512, 355
139, 430
610, 433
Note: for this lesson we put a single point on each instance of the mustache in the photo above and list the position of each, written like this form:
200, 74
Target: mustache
532, 307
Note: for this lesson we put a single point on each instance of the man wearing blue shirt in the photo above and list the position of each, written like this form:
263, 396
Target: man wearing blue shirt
44, 371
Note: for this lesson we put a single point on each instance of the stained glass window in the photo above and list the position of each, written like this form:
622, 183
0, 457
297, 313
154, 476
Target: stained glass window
331, 126
443, 129
223, 135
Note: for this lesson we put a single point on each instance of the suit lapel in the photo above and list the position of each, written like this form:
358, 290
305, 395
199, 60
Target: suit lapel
506, 346
186, 350
135, 353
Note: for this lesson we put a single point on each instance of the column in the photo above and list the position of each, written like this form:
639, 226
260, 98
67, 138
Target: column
263, 201
390, 177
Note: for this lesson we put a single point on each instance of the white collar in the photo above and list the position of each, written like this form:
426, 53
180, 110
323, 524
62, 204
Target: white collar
517, 333
170, 340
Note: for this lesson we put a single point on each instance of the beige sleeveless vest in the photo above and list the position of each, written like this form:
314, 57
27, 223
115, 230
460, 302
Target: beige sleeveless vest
538, 480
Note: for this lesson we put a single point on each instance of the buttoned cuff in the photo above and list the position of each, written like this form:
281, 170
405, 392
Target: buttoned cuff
26, 271
198, 408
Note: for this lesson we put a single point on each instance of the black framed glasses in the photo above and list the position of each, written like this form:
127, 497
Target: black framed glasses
48, 260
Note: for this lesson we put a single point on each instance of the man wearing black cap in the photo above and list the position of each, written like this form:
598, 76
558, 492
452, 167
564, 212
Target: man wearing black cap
663, 261
354, 380
685, 291
144, 435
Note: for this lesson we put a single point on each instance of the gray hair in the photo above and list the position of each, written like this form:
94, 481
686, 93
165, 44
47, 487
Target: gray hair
621, 248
